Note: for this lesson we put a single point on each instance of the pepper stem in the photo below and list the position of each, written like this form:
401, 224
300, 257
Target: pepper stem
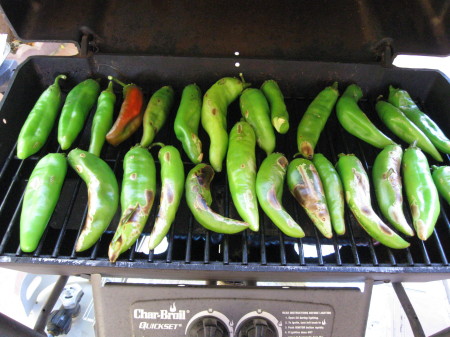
335, 85
110, 86
297, 154
156, 144
244, 84
59, 77
111, 78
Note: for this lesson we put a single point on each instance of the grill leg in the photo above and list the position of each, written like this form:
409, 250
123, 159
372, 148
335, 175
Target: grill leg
41, 322
409, 310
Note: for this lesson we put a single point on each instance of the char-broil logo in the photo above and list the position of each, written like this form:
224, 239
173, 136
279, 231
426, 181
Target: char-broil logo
171, 314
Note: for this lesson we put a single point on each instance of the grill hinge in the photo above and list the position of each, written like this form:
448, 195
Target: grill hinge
385, 52
88, 42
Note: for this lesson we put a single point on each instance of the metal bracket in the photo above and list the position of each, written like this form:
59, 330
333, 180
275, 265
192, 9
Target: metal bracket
88, 42
385, 51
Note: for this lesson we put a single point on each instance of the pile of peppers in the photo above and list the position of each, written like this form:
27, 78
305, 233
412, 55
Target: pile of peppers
320, 188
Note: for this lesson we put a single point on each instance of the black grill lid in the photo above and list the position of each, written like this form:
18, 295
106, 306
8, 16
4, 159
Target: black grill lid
343, 31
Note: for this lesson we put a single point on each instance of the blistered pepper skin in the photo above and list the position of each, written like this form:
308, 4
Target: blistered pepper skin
214, 116
306, 187
313, 121
172, 185
356, 122
103, 195
40, 199
40, 121
421, 192
388, 185
136, 199
199, 199
269, 189
334, 191
241, 171
357, 194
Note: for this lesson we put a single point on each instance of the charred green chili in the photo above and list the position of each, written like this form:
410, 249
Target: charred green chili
314, 120
441, 178
402, 100
278, 111
79, 102
356, 122
306, 187
256, 111
136, 199
172, 185
199, 199
102, 120
269, 189
103, 195
404, 129
40, 121
334, 191
241, 171
214, 116
357, 194
130, 115
387, 182
421, 192
187, 121
40, 199
156, 113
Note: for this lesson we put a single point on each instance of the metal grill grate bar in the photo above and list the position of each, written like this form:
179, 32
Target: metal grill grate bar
8, 161
282, 249
440, 248
244, 248
10, 227
207, 247
188, 253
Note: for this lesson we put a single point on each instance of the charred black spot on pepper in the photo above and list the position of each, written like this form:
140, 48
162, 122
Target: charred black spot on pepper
282, 161
167, 156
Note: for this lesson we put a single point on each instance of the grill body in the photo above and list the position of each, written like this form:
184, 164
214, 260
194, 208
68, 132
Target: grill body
192, 252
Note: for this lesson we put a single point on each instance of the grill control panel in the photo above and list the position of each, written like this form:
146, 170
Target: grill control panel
231, 317
147, 310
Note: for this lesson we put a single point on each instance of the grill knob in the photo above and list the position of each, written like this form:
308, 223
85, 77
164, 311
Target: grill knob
257, 327
208, 327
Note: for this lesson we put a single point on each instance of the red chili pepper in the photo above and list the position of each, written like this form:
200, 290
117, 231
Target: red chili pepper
130, 115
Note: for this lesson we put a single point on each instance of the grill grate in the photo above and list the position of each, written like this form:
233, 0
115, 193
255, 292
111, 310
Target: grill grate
189, 244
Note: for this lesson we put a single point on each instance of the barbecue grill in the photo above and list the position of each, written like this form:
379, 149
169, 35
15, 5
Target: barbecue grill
305, 46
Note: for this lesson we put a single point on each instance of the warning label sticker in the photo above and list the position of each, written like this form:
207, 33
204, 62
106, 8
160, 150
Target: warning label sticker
307, 323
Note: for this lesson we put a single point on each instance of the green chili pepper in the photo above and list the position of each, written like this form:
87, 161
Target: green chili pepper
40, 199
356, 122
79, 102
314, 120
278, 111
334, 191
269, 189
421, 192
441, 178
241, 171
156, 113
103, 119
388, 187
103, 195
306, 187
136, 199
172, 185
404, 129
187, 121
40, 121
214, 116
199, 199
256, 111
357, 194
403, 101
